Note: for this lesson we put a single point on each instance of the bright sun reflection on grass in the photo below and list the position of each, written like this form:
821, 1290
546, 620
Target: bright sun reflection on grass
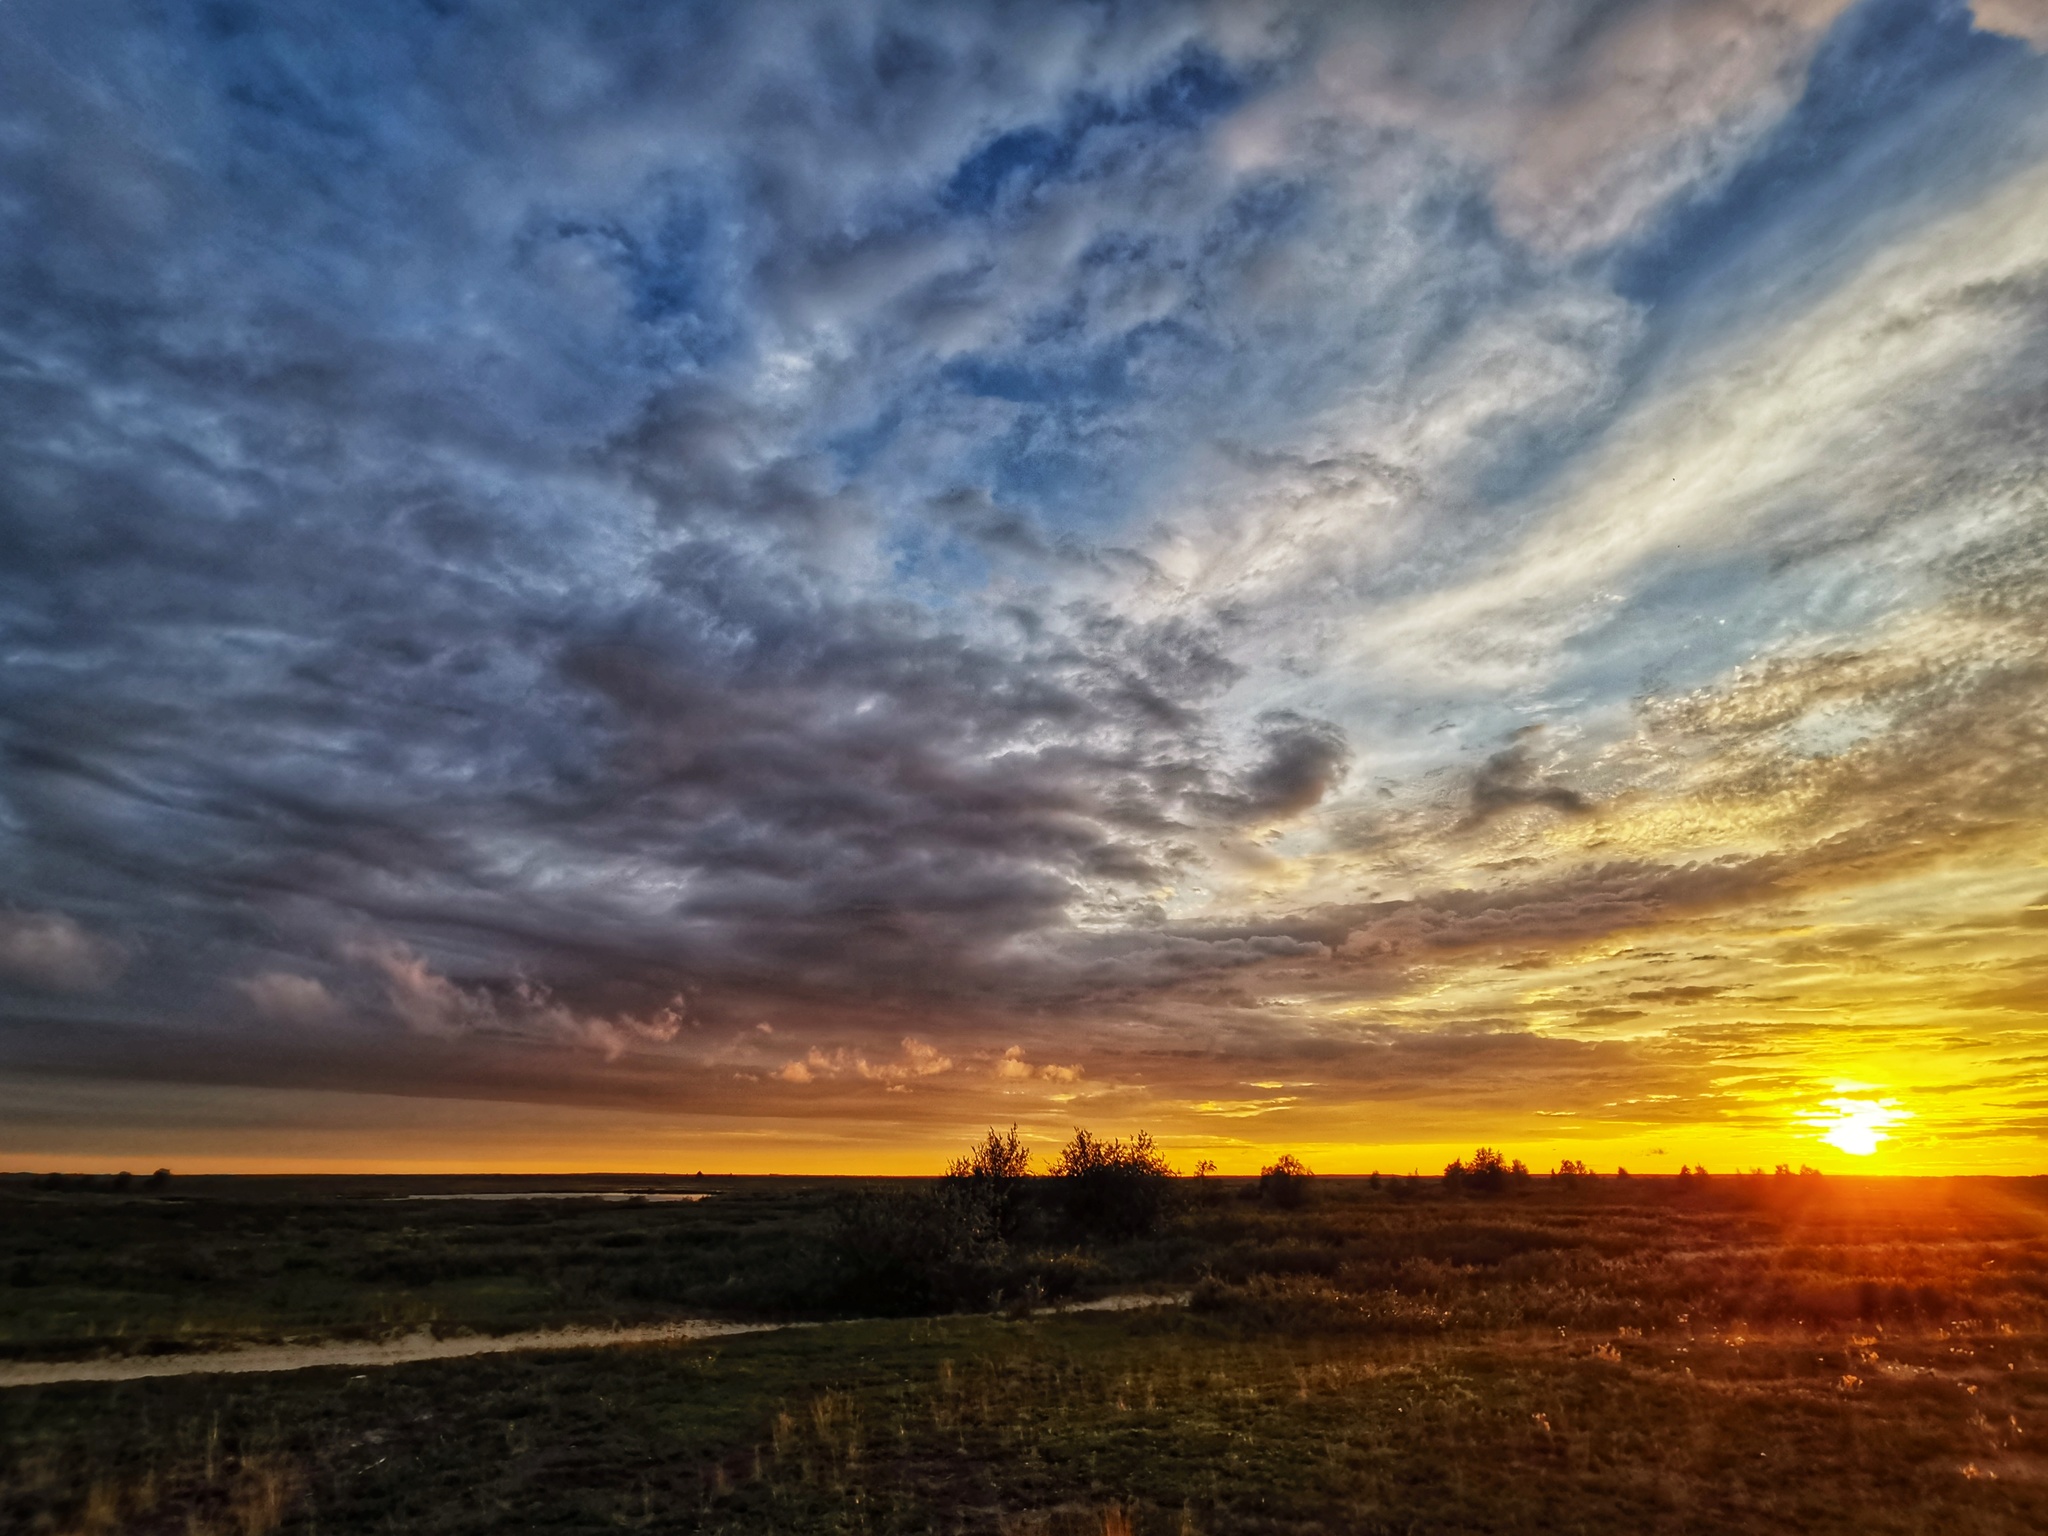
1856, 1126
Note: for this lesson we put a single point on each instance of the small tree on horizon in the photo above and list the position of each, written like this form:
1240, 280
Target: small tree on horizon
994, 1170
1488, 1172
1285, 1181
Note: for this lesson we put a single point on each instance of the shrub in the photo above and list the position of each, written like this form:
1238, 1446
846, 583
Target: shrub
934, 1250
1488, 1173
1111, 1188
1285, 1182
995, 1171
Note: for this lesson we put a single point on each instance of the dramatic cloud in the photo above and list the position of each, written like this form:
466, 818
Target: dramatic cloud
1011, 1067
918, 1060
1357, 576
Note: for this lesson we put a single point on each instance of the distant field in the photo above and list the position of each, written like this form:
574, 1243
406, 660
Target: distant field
1767, 1355
212, 1261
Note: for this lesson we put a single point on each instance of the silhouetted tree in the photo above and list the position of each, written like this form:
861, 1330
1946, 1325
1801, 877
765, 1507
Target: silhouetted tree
994, 1172
1285, 1182
1488, 1172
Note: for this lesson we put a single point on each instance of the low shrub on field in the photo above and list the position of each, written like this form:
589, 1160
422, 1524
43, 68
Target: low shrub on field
1285, 1182
928, 1250
1111, 1188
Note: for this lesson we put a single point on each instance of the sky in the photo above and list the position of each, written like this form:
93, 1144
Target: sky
764, 587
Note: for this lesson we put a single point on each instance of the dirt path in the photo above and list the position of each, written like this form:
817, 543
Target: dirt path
400, 1351
424, 1346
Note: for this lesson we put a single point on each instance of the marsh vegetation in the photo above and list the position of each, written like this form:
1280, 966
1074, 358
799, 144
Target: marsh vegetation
1555, 1354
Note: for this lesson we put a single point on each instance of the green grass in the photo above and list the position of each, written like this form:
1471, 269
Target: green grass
987, 1425
219, 1260
1756, 1357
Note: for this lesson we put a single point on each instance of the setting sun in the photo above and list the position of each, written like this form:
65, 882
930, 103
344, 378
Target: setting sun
1856, 1126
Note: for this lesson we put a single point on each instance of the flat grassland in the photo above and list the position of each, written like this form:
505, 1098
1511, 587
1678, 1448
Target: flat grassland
1611, 1355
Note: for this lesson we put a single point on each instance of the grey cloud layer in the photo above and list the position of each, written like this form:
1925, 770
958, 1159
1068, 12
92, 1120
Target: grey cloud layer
612, 528
421, 525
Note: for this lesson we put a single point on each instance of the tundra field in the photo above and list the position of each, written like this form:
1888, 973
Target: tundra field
1500, 1355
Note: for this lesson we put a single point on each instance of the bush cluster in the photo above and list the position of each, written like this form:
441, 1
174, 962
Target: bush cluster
990, 1229
1110, 1189
1487, 1172
931, 1250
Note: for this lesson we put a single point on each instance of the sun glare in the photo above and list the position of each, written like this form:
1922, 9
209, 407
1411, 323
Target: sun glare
1856, 1126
